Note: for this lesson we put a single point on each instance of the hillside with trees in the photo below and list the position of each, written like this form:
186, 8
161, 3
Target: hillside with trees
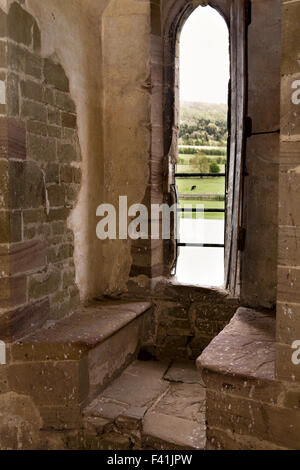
203, 124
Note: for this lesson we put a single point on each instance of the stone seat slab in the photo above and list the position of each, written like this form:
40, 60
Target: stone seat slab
74, 336
246, 347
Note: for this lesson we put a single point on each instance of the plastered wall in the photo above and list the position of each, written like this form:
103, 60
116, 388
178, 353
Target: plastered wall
109, 82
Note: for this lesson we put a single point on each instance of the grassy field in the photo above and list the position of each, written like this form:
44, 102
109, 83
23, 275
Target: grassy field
203, 186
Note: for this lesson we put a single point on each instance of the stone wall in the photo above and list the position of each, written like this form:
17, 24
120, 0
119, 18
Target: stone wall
260, 217
40, 180
288, 300
184, 319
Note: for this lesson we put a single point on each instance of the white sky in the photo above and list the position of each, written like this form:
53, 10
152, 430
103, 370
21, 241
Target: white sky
204, 57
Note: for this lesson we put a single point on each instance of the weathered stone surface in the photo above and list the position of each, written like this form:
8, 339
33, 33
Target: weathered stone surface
20, 25
106, 408
290, 115
226, 440
31, 90
22, 321
65, 102
186, 401
264, 66
259, 266
69, 120
183, 372
41, 285
139, 385
263, 390
290, 40
41, 149
12, 291
12, 138
20, 423
286, 370
55, 75
66, 153
169, 432
23, 257
33, 110
288, 284
13, 99
72, 337
108, 359
245, 347
287, 322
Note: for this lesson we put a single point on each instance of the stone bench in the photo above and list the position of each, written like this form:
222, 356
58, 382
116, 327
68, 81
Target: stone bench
238, 369
65, 365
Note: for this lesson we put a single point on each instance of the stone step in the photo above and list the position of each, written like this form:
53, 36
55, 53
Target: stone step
65, 365
150, 406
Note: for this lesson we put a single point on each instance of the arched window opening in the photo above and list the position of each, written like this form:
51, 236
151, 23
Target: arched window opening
202, 147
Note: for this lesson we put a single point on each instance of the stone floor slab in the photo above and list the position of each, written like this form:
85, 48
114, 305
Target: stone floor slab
185, 372
140, 384
167, 432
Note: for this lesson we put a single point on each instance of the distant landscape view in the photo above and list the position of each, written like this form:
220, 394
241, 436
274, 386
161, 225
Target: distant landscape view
204, 78
203, 149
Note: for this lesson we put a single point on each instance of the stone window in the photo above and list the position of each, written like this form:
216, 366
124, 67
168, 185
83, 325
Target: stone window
236, 14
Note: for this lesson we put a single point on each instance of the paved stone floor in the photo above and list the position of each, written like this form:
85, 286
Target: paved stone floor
152, 405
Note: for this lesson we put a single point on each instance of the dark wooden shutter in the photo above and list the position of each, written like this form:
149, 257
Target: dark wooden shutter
239, 19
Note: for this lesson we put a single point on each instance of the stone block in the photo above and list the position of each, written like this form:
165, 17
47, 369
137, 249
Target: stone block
35, 127
13, 98
10, 226
12, 138
54, 131
56, 195
55, 75
19, 25
52, 173
26, 185
4, 185
289, 254
264, 66
14, 324
23, 257
64, 102
48, 383
289, 187
41, 148
20, 428
54, 116
69, 120
12, 291
290, 39
286, 370
290, 113
66, 153
49, 96
3, 24
288, 322
169, 432
259, 266
3, 54
184, 372
31, 90
34, 111
140, 385
288, 285
42, 285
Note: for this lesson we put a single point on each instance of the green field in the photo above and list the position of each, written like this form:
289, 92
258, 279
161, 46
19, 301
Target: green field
203, 186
